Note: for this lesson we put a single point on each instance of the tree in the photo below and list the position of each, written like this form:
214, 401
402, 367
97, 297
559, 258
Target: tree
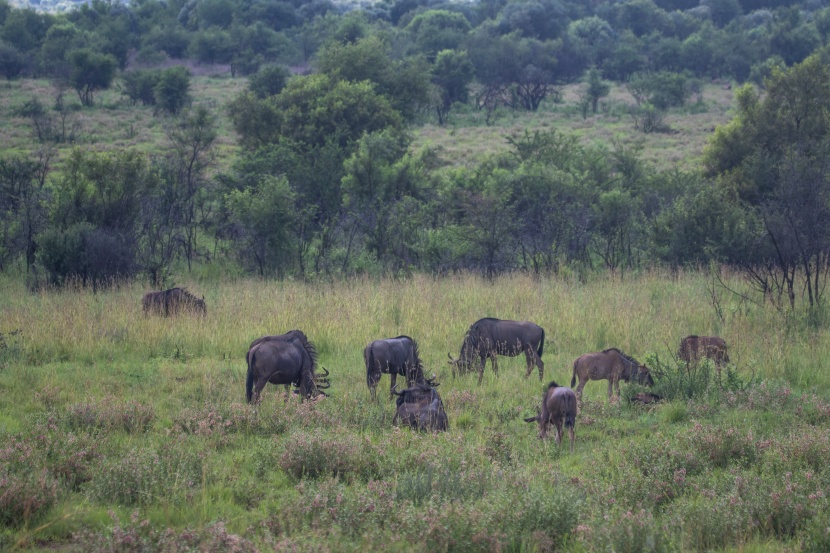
265, 218
23, 198
772, 157
12, 61
313, 110
596, 89
436, 30
90, 71
269, 80
380, 178
139, 85
171, 92
452, 74
403, 82
192, 137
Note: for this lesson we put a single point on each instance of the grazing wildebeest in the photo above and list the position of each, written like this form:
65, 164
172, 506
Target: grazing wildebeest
172, 302
559, 408
421, 407
288, 336
284, 361
392, 356
694, 348
611, 364
490, 337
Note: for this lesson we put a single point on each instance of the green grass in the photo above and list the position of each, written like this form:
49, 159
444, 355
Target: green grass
105, 410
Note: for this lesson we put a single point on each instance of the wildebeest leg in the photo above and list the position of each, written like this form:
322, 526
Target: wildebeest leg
558, 423
529, 360
493, 356
571, 435
610, 388
287, 391
393, 375
579, 388
483, 361
260, 385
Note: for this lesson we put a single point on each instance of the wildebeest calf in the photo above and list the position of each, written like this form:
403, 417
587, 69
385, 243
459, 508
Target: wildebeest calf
559, 409
610, 364
421, 407
694, 348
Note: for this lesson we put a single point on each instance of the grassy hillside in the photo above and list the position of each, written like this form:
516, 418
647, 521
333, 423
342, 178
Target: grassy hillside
113, 124
109, 419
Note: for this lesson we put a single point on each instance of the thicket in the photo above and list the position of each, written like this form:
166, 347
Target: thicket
327, 183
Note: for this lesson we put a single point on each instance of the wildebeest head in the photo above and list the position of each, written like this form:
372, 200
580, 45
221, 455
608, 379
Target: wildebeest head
636, 371
469, 351
312, 386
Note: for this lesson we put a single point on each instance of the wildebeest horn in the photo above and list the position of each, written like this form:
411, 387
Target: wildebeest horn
323, 386
532, 419
395, 391
326, 370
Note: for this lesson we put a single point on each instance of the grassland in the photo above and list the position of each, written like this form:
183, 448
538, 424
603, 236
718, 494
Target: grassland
125, 433
113, 124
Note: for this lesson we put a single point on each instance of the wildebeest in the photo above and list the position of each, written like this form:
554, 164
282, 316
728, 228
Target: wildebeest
392, 356
288, 359
645, 398
490, 337
558, 408
610, 364
693, 348
298, 335
172, 302
421, 407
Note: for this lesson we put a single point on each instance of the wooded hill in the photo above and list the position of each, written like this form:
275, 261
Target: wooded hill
326, 180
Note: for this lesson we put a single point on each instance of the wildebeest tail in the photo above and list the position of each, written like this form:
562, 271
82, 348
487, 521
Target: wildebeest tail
573, 378
541, 343
570, 411
249, 381
369, 357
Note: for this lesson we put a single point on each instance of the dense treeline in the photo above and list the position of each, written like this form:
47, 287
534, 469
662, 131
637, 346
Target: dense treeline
328, 184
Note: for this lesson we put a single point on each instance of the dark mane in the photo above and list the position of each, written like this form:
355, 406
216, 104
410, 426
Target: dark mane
624, 355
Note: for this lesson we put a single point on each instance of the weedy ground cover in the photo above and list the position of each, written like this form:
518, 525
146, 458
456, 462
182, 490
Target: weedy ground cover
120, 432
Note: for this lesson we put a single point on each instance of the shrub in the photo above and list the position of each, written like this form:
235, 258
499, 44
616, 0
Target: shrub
315, 454
25, 497
708, 523
142, 476
139, 536
632, 532
131, 416
722, 447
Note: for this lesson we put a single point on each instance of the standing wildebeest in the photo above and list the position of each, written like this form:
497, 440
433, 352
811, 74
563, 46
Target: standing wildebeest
558, 407
611, 364
292, 360
421, 407
392, 356
694, 348
298, 335
490, 337
173, 301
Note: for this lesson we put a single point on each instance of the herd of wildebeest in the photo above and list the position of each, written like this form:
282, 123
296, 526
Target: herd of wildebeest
291, 359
